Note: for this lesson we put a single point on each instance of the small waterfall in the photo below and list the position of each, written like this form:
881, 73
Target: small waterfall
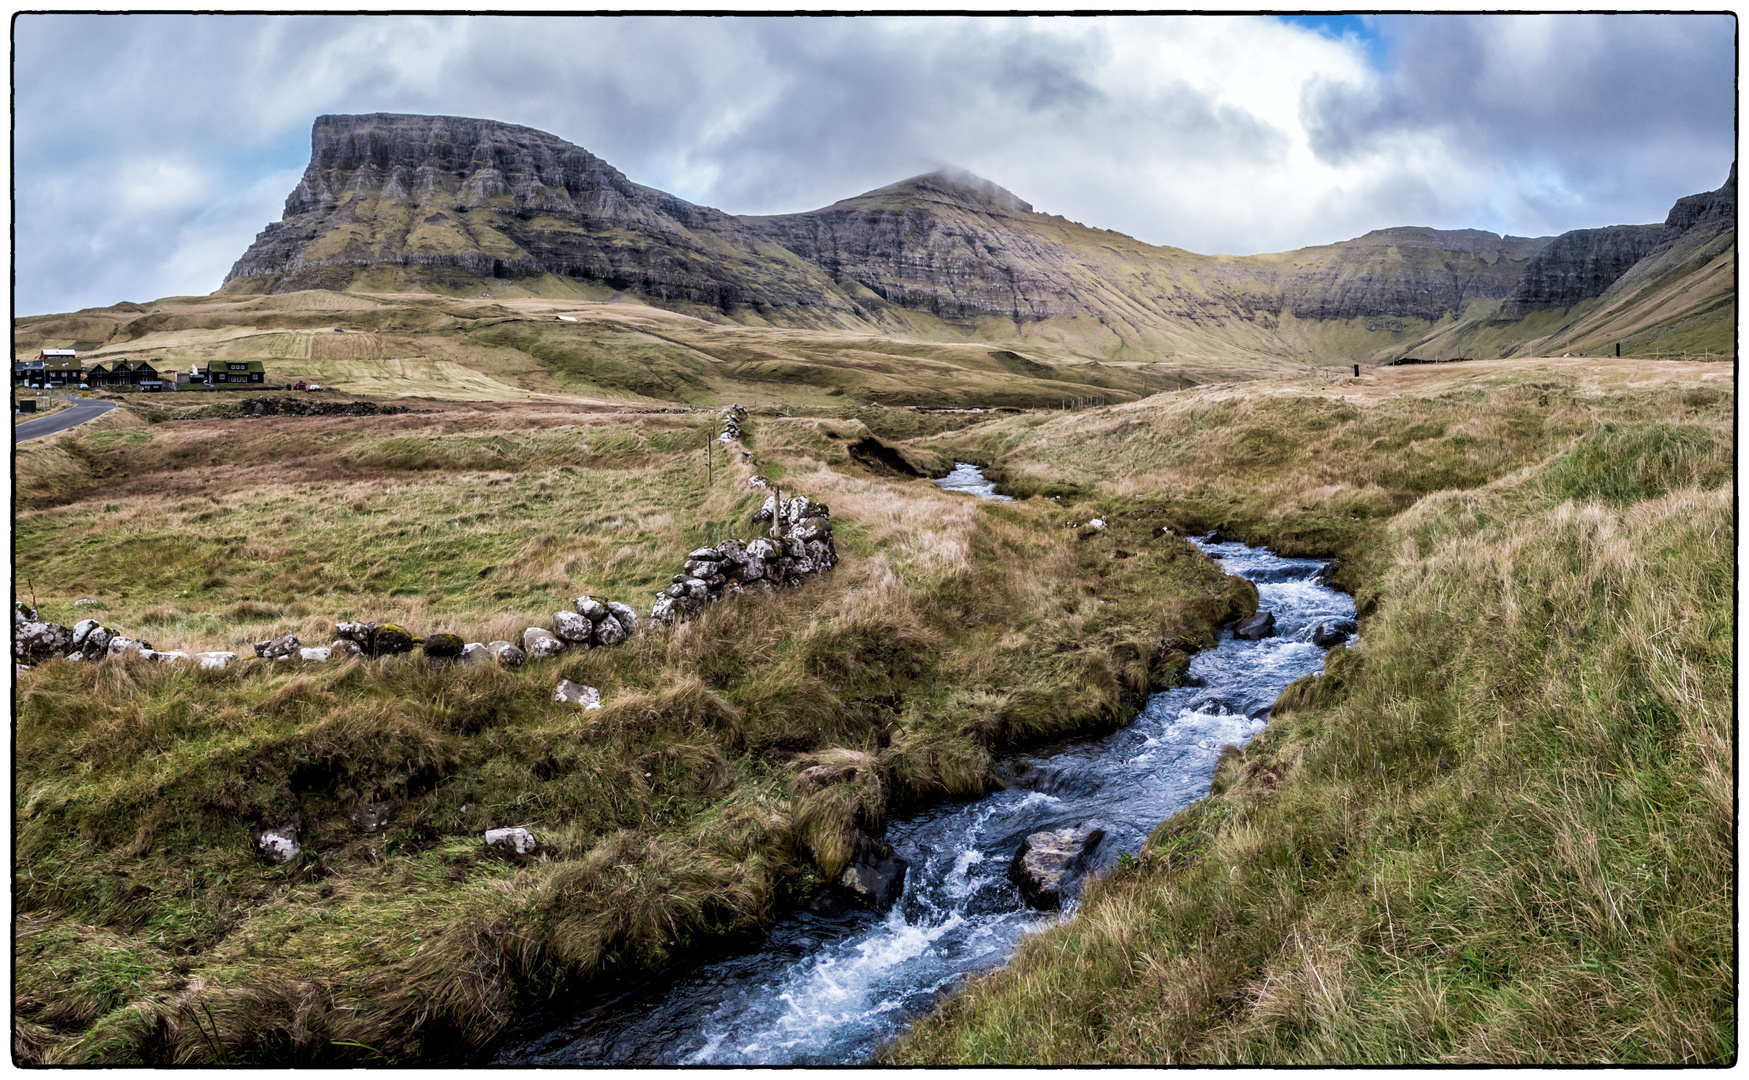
825, 991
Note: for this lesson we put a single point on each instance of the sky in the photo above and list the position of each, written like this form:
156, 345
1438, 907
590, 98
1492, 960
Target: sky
148, 150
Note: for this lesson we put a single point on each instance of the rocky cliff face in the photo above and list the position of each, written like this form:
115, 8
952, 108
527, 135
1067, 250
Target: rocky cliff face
449, 202
1579, 265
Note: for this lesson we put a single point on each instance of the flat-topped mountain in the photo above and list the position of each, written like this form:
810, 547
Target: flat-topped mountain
397, 203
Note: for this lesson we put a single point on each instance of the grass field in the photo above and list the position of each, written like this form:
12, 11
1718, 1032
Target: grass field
1498, 831
150, 931
1526, 767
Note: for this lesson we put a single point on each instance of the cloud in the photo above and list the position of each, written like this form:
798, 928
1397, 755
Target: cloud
151, 172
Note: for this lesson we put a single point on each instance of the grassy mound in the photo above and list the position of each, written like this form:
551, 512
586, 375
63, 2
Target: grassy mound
1499, 831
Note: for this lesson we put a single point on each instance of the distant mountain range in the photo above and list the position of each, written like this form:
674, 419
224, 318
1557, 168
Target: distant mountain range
398, 203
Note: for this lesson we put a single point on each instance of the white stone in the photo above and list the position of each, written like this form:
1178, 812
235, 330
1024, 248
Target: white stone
475, 653
517, 840
573, 627
170, 657
279, 845
578, 694
214, 661
538, 643
82, 630
589, 607
608, 632
627, 616
320, 652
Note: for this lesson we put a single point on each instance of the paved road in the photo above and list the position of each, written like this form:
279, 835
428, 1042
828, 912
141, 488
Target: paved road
82, 411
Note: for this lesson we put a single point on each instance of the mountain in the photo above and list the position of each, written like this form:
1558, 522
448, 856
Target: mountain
397, 203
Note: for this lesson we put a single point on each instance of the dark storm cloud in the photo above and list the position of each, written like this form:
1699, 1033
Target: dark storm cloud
149, 172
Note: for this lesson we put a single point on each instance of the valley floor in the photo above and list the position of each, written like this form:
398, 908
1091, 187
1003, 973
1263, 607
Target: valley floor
1525, 770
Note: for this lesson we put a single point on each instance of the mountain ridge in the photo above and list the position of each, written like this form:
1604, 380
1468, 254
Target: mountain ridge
395, 202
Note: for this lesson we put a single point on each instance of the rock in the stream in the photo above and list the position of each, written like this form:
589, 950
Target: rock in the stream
573, 627
214, 661
273, 649
506, 653
578, 694
1332, 632
442, 646
1049, 865
876, 876
1256, 628
278, 843
539, 643
512, 841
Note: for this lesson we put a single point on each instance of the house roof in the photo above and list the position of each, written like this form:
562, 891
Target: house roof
225, 365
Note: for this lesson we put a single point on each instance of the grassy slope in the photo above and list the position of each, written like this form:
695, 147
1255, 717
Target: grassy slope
1501, 829
148, 930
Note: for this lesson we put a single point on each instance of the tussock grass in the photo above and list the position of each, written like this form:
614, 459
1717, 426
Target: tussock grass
150, 930
1499, 831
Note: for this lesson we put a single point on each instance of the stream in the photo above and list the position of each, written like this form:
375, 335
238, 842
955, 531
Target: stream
823, 990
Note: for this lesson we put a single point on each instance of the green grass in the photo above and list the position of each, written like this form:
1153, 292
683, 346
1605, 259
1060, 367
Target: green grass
1499, 831
952, 629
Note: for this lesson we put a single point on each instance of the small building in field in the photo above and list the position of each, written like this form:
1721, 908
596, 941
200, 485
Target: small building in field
231, 372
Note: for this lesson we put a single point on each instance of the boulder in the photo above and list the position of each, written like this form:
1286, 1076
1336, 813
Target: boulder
474, 653
1332, 632
273, 649
345, 649
1256, 628
876, 876
83, 601
442, 646
34, 642
1097, 524
214, 661
626, 614
1326, 575
758, 482
701, 568
506, 653
82, 630
763, 548
706, 554
1049, 865
170, 657
119, 645
320, 652
572, 627
22, 614
665, 609
390, 640
359, 632
589, 607
278, 843
578, 694
766, 511
97, 642
609, 632
539, 644
512, 841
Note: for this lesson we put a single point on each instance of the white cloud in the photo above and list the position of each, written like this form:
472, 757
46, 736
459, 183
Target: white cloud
1232, 134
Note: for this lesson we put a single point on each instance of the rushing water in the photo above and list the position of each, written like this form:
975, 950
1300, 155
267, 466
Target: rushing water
822, 991
970, 480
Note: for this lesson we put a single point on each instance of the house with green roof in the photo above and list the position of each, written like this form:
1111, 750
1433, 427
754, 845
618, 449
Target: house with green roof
232, 372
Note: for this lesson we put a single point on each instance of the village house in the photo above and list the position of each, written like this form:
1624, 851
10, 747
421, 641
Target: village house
226, 372
54, 367
124, 374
